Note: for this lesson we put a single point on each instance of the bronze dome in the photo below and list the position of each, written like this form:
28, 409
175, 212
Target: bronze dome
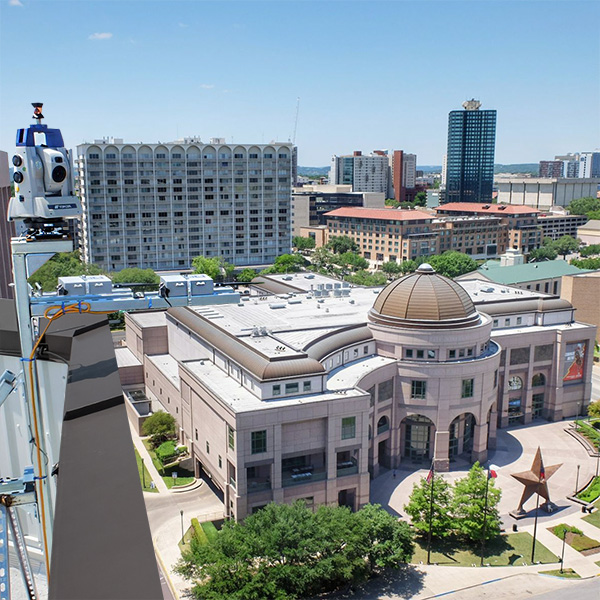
424, 299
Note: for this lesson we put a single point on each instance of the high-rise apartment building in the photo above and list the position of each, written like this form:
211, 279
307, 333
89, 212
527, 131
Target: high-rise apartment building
365, 173
551, 168
160, 205
404, 175
470, 156
589, 164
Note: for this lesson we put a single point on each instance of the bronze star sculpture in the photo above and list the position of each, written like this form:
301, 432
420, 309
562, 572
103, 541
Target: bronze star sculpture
536, 482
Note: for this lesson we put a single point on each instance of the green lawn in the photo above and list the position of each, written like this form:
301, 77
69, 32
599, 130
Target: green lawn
575, 538
210, 530
183, 475
591, 492
145, 478
567, 573
594, 518
507, 550
592, 434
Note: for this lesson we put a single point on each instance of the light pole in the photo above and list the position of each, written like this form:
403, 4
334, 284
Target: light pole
577, 481
562, 556
597, 460
182, 540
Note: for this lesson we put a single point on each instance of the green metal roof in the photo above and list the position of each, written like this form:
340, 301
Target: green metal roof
516, 274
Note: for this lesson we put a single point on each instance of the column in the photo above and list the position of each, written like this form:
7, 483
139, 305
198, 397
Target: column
480, 443
492, 428
441, 457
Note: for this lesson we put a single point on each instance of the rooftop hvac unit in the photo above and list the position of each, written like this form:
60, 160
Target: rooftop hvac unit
275, 305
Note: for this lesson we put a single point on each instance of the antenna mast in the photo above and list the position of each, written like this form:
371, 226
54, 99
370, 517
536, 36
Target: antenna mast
296, 120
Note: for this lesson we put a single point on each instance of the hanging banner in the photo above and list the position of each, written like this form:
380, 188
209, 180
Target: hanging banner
574, 361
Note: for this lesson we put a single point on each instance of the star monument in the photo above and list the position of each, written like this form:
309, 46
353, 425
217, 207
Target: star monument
536, 482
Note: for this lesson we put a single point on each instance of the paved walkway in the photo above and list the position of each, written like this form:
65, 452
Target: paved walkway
165, 517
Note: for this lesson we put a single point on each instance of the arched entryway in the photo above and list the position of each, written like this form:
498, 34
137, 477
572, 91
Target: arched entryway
461, 435
418, 435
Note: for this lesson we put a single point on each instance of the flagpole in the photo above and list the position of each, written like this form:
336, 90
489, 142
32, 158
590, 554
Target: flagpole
432, 472
487, 485
542, 475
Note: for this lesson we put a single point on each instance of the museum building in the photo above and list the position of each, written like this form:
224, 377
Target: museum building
311, 391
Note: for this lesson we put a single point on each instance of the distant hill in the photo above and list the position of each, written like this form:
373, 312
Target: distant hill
316, 171
533, 168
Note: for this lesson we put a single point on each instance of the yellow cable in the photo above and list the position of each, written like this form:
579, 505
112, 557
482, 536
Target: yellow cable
51, 316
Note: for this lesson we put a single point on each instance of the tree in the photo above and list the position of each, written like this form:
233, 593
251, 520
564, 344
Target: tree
132, 275
468, 505
421, 199
322, 258
286, 551
351, 261
565, 245
392, 202
583, 206
303, 243
452, 263
67, 264
419, 507
587, 263
543, 253
593, 409
408, 266
246, 276
391, 268
342, 243
367, 279
160, 426
591, 250
286, 263
216, 268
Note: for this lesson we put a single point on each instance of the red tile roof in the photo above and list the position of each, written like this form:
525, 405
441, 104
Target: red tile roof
384, 214
474, 207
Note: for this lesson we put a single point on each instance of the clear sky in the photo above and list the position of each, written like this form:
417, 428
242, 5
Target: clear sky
369, 75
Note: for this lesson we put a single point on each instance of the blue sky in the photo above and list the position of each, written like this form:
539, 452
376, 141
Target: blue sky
369, 75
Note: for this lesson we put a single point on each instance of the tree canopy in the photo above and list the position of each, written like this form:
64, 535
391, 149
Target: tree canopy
584, 206
246, 275
303, 243
565, 245
160, 426
133, 275
367, 279
593, 409
586, 263
286, 551
391, 268
215, 267
452, 263
419, 504
591, 250
542, 253
342, 243
65, 264
421, 199
286, 263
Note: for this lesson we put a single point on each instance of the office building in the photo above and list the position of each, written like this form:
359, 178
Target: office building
470, 155
589, 164
311, 202
551, 168
160, 205
7, 229
398, 235
364, 172
544, 193
404, 175
334, 384
521, 222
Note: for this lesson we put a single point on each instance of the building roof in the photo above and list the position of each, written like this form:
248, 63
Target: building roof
424, 298
383, 214
499, 209
592, 225
515, 274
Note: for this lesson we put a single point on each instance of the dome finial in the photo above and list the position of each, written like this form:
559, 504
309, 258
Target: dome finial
425, 268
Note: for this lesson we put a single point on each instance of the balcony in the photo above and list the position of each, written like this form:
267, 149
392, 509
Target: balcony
347, 463
258, 478
306, 468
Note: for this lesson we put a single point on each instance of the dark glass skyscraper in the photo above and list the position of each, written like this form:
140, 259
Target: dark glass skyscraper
470, 158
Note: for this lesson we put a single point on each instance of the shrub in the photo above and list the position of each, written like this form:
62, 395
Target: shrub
160, 427
166, 452
199, 532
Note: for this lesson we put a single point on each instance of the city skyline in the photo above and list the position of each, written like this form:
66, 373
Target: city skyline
367, 75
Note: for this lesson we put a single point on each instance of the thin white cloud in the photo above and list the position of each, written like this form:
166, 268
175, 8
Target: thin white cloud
15, 3
207, 86
100, 36
183, 25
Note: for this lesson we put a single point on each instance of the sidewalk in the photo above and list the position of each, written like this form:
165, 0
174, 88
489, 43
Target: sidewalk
143, 452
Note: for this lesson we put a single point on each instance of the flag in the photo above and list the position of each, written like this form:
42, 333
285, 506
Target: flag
430, 474
542, 473
492, 472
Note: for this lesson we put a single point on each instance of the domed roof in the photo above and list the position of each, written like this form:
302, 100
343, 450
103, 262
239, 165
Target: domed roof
424, 298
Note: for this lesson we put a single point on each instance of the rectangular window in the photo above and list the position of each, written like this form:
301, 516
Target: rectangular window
451, 353
291, 388
220, 462
418, 389
196, 435
306, 386
519, 356
277, 390
259, 441
231, 437
207, 448
408, 353
542, 353
386, 390
467, 388
348, 428
519, 320
420, 354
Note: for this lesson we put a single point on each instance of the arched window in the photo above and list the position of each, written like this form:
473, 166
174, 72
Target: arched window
538, 379
515, 383
383, 425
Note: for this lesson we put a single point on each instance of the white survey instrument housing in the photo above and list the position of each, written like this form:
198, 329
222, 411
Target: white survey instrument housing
43, 177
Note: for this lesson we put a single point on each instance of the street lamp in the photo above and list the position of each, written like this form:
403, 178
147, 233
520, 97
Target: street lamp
562, 556
182, 540
577, 480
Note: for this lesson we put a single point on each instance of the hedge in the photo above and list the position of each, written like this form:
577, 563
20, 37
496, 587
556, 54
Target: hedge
166, 452
199, 532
